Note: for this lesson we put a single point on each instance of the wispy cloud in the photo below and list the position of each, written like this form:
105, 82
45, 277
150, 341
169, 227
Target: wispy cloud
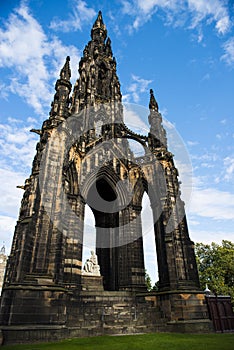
188, 11
229, 168
137, 87
192, 143
133, 119
212, 11
228, 55
7, 224
10, 195
28, 59
80, 15
212, 203
17, 149
10, 203
17, 145
210, 235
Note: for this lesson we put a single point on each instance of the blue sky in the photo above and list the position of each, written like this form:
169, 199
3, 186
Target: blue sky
184, 50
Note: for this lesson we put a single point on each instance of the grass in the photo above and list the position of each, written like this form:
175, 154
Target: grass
156, 341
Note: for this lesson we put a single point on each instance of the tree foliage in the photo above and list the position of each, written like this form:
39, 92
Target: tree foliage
216, 267
148, 281
156, 286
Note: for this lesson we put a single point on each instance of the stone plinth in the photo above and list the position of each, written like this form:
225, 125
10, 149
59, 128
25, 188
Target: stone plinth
185, 311
91, 283
49, 314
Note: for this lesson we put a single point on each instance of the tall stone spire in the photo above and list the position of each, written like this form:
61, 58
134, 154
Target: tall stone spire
98, 82
157, 131
60, 105
99, 31
153, 105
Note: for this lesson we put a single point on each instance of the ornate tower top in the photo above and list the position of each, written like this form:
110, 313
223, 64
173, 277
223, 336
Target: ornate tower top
99, 31
98, 82
65, 72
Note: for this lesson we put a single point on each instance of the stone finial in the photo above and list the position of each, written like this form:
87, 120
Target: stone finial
65, 72
99, 28
108, 47
99, 21
153, 103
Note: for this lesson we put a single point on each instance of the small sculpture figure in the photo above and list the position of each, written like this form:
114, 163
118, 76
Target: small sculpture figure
91, 266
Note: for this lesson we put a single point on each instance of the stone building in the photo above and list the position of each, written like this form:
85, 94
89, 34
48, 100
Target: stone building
84, 158
3, 261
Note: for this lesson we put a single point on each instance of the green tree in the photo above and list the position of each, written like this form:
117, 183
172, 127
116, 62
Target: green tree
156, 286
148, 281
216, 267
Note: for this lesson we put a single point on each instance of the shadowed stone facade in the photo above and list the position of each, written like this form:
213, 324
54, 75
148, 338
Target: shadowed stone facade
83, 158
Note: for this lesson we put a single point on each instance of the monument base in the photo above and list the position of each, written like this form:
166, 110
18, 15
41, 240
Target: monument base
49, 313
185, 311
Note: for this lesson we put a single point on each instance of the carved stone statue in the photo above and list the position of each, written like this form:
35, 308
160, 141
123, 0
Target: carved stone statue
91, 266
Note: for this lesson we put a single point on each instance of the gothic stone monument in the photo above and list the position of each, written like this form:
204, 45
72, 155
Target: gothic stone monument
83, 158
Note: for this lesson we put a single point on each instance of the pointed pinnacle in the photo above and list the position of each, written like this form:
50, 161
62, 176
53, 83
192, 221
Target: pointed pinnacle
108, 47
65, 72
99, 28
153, 103
99, 21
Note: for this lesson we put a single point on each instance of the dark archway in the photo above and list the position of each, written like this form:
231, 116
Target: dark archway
107, 228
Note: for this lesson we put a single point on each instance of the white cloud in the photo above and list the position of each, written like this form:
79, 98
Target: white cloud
10, 195
213, 11
59, 53
228, 56
138, 86
81, 14
28, 59
17, 149
206, 156
212, 203
133, 119
149, 239
7, 224
192, 143
210, 10
24, 55
229, 168
209, 236
10, 203
114, 23
223, 121
17, 144
3, 91
206, 77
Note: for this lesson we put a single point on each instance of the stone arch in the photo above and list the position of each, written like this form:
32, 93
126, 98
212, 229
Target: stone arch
112, 179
